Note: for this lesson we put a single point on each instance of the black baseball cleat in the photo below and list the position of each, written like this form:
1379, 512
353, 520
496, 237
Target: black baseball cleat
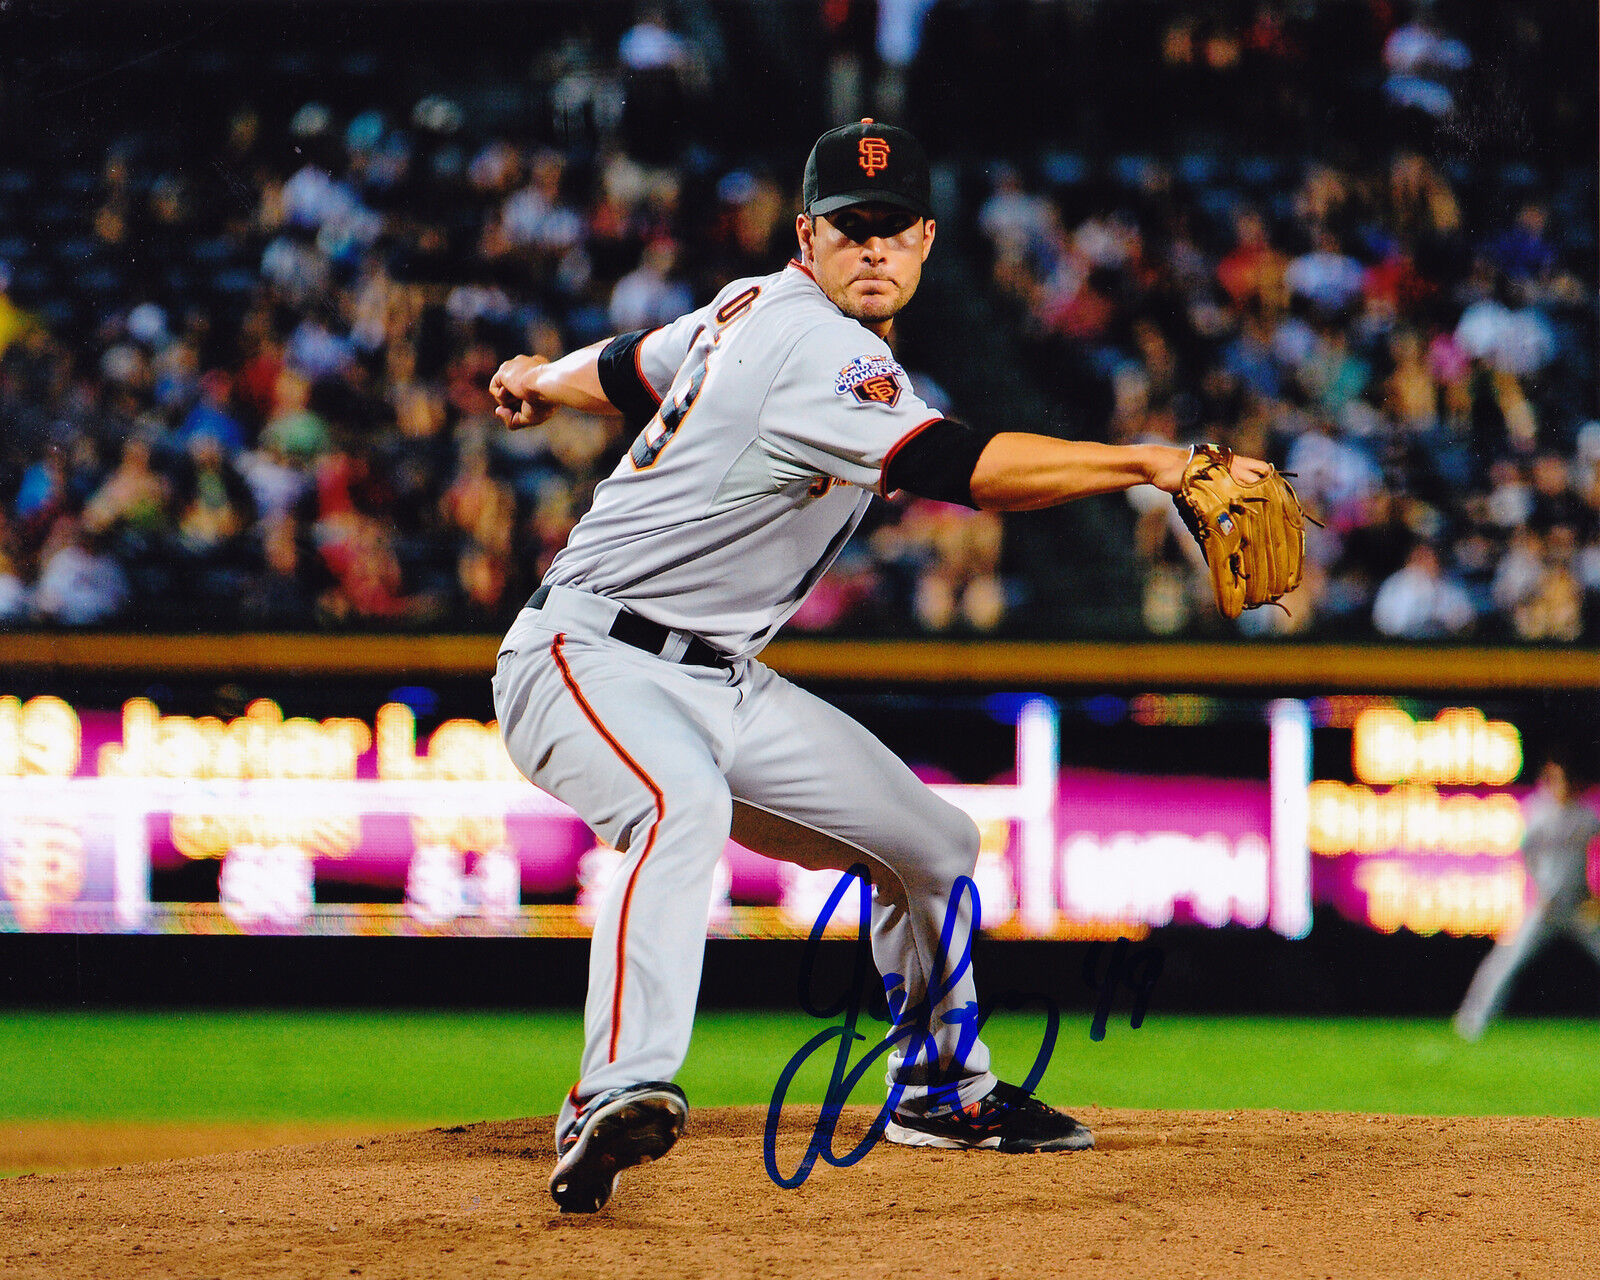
1004, 1119
614, 1131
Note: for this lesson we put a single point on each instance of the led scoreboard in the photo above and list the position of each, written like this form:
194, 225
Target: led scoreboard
1426, 836
125, 817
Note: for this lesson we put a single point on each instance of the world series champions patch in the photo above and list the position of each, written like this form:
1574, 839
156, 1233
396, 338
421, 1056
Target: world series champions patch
872, 380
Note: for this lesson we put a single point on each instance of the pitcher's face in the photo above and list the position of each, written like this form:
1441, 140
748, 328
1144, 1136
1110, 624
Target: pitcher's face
867, 258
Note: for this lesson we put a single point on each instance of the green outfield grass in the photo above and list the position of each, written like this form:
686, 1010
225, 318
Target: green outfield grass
430, 1068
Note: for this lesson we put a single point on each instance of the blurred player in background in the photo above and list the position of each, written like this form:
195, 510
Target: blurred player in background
1555, 849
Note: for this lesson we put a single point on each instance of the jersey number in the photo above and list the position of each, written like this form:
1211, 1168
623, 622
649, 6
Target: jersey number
658, 434
735, 307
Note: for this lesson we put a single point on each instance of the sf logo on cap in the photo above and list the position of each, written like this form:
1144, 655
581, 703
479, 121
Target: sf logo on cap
873, 154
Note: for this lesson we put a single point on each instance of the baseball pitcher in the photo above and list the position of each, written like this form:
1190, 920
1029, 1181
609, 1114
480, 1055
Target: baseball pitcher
630, 687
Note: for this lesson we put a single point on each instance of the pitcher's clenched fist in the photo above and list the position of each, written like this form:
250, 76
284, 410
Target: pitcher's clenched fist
515, 388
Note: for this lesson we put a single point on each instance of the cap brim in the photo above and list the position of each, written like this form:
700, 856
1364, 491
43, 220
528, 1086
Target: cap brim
832, 204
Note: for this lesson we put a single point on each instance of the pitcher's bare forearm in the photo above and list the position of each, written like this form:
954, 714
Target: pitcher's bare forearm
1019, 471
528, 389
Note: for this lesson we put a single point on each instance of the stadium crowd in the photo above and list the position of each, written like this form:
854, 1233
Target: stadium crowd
1413, 340
243, 377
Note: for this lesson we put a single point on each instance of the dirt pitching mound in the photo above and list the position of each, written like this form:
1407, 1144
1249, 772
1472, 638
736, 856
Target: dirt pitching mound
1164, 1194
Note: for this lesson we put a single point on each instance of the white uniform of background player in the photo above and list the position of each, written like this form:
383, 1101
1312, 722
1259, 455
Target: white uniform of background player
631, 689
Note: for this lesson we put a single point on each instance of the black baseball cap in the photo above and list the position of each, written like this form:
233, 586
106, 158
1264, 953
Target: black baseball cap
866, 163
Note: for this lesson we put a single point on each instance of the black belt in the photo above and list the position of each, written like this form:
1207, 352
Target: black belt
652, 637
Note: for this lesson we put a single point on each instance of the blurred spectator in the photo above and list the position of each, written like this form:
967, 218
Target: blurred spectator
42, 494
14, 595
1421, 203
652, 294
1554, 502
255, 387
81, 584
1552, 609
214, 514
651, 45
481, 510
13, 319
1411, 394
1331, 473
1333, 375
1015, 216
1423, 61
1520, 571
212, 414
1376, 547
294, 267
1525, 251
900, 24
213, 504
535, 217
315, 350
133, 498
1420, 602
1515, 341
1326, 276
1253, 272
276, 482
296, 431
1173, 563
279, 596
368, 582
956, 554
753, 228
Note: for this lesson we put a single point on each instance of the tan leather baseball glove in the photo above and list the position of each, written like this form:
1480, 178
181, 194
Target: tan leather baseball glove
1253, 535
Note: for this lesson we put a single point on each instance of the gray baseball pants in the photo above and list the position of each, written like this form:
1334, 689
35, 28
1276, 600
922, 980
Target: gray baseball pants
663, 760
1491, 984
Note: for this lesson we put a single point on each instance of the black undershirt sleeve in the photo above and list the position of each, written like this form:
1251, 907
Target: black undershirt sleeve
621, 381
938, 462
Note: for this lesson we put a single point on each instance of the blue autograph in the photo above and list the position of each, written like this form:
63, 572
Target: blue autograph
1138, 974
911, 1026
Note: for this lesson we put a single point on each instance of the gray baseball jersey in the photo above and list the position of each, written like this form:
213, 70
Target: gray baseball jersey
1556, 848
778, 417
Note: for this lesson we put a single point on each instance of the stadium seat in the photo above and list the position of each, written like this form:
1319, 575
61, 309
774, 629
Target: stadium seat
1519, 177
103, 282
1219, 204
74, 250
1259, 172
1134, 171
212, 251
77, 183
235, 281
52, 216
1196, 169
1064, 168
32, 283
61, 313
